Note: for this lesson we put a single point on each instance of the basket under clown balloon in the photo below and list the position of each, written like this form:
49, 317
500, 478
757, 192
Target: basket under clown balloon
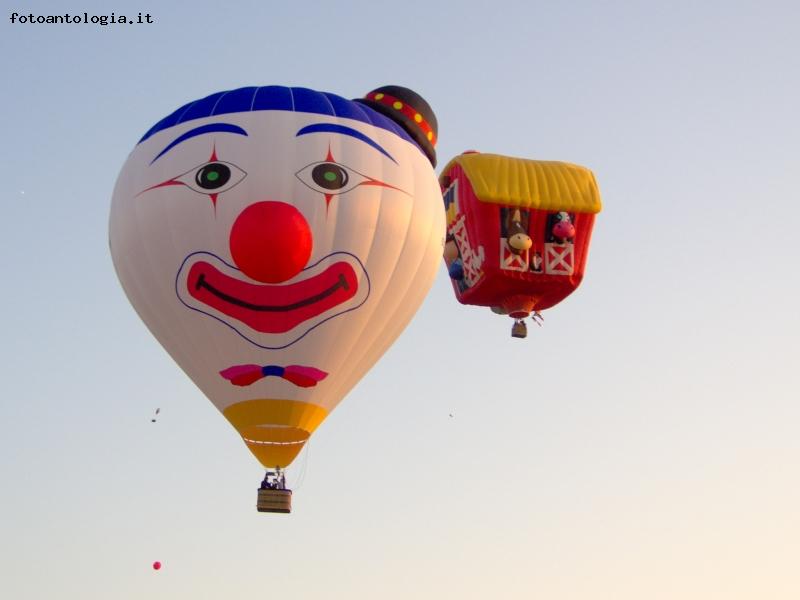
276, 241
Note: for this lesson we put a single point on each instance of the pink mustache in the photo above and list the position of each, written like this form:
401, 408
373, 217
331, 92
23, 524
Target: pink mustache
243, 375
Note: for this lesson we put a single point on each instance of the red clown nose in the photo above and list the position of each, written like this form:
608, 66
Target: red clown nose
271, 242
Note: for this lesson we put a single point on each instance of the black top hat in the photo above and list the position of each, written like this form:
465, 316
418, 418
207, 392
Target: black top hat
408, 109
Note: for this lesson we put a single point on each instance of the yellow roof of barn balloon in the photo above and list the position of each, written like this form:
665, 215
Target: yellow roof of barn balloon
532, 184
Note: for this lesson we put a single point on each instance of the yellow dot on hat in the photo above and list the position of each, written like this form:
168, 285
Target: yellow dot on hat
418, 118
398, 105
430, 135
378, 96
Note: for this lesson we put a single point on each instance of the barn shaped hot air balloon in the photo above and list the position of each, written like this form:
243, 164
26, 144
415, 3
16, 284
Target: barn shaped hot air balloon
276, 241
518, 231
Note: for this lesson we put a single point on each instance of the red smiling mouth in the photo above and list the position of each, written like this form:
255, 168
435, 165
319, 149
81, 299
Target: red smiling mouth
272, 308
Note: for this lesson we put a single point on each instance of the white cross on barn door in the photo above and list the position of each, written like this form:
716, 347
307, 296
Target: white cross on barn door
559, 259
510, 261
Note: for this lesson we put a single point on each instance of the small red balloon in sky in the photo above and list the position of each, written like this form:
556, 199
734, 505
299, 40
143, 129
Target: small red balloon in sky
157, 565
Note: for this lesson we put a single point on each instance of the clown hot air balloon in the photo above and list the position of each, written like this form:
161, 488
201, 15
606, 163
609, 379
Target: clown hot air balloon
277, 241
518, 231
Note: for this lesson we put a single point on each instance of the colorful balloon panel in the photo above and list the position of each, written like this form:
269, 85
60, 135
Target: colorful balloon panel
518, 230
276, 241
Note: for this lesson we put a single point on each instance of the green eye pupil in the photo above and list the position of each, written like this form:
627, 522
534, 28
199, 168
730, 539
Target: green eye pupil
330, 176
213, 176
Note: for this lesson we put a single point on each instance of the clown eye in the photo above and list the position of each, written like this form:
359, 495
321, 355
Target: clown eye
330, 177
212, 177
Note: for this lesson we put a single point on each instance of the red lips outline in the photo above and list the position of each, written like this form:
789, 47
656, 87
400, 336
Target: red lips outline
272, 308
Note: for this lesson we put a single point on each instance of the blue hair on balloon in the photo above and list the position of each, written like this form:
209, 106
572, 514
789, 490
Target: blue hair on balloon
274, 97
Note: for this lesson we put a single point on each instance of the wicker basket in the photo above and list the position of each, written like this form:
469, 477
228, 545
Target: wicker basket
274, 501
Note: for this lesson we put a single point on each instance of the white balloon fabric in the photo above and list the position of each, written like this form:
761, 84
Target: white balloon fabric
276, 241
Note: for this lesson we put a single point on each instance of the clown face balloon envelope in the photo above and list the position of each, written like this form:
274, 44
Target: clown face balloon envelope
276, 241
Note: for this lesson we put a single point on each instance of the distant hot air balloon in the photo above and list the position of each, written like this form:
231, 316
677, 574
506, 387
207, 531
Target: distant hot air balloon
157, 565
518, 231
277, 241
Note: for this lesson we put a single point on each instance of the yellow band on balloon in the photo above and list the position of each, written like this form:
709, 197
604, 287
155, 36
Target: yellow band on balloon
275, 430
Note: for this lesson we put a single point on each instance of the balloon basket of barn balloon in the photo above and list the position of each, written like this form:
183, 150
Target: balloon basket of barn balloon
518, 307
519, 329
274, 501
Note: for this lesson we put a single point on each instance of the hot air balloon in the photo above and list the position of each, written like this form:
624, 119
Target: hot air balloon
518, 231
269, 238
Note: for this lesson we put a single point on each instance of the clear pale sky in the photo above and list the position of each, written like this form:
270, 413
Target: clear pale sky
642, 444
